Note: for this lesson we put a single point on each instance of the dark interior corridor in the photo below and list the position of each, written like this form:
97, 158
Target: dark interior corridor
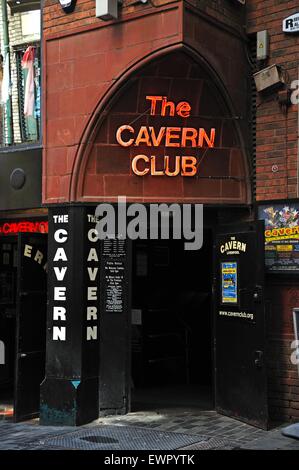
171, 325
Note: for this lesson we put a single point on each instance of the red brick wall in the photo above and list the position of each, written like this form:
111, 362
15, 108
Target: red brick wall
55, 20
80, 69
277, 145
276, 130
84, 57
283, 385
108, 172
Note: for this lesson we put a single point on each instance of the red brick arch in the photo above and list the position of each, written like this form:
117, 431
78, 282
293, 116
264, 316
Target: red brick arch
103, 170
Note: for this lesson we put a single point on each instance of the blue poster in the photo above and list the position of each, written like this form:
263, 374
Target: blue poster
229, 274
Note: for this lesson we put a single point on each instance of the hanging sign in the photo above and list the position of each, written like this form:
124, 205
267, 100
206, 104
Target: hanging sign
291, 24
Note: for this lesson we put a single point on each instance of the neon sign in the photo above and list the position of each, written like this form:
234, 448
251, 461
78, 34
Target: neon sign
11, 228
175, 137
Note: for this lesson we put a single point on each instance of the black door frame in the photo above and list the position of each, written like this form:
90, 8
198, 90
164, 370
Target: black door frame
17, 416
13, 240
230, 228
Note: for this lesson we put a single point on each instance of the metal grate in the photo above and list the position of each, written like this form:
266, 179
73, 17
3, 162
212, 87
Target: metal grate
213, 444
122, 438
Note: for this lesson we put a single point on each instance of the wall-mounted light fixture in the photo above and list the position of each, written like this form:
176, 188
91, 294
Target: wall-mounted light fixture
269, 77
107, 9
68, 5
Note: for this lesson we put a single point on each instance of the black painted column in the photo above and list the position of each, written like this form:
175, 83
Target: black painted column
70, 391
115, 350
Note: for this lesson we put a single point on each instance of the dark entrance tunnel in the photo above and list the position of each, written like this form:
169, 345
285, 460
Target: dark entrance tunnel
171, 325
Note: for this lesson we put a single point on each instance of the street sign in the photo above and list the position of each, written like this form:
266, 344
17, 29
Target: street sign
291, 24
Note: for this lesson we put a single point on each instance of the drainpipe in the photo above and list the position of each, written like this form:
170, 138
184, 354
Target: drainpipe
298, 143
6, 55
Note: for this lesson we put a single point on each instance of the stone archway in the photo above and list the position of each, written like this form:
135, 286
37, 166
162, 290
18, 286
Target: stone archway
104, 168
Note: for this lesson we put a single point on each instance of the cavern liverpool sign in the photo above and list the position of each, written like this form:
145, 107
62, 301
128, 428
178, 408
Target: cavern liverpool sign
171, 137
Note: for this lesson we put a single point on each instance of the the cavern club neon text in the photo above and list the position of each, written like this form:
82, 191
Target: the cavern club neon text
11, 228
171, 137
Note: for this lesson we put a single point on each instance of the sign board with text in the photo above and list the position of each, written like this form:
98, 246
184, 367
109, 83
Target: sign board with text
291, 24
281, 236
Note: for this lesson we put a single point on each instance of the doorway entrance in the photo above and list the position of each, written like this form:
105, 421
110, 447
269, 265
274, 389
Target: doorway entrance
23, 259
8, 281
171, 333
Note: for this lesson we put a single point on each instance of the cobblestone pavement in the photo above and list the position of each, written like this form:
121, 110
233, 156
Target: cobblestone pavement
27, 435
224, 432
221, 432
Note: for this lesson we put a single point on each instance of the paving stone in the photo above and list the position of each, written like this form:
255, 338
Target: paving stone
27, 435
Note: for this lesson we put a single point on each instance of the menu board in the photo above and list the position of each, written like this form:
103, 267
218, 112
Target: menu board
114, 275
281, 236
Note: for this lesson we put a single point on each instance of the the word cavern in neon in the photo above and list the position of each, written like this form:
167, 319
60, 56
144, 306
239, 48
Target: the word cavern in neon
10, 228
167, 136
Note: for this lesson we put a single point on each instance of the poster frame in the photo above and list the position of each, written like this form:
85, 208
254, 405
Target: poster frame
232, 304
276, 274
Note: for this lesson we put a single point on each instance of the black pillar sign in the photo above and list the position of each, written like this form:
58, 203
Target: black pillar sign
92, 278
69, 393
88, 315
